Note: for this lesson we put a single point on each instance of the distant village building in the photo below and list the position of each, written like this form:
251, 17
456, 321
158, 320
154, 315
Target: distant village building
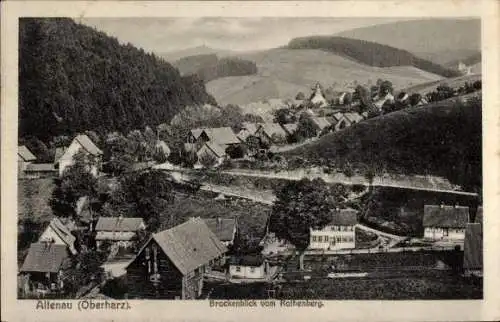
119, 231
317, 98
464, 69
81, 143
341, 121
271, 133
248, 129
339, 233
473, 249
222, 136
58, 234
248, 267
290, 128
172, 263
24, 158
224, 228
211, 149
321, 124
445, 222
44, 267
379, 101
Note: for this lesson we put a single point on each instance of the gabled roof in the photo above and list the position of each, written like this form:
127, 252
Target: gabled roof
479, 215
353, 117
272, 129
219, 135
87, 144
251, 127
321, 122
64, 233
216, 149
223, 228
344, 217
122, 224
25, 154
45, 257
442, 216
337, 116
290, 128
473, 246
59, 153
190, 245
40, 167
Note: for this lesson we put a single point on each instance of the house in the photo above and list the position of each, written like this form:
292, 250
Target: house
223, 136
379, 101
58, 234
163, 147
353, 117
39, 170
224, 228
271, 133
120, 231
321, 123
345, 120
171, 264
44, 268
24, 158
445, 222
248, 266
339, 233
211, 149
247, 130
473, 249
81, 143
317, 98
290, 128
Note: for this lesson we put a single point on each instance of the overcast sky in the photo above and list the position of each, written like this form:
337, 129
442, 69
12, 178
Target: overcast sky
163, 35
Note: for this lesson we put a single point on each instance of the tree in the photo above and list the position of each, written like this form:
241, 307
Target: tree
362, 96
477, 85
159, 156
385, 88
300, 96
76, 182
208, 160
236, 151
253, 144
284, 116
302, 205
117, 155
415, 99
347, 99
306, 127
86, 269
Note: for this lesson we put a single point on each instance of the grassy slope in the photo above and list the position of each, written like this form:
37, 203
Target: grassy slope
284, 72
33, 199
442, 139
453, 82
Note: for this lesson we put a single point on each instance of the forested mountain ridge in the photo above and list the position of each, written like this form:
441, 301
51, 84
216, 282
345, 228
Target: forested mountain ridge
209, 67
369, 53
74, 78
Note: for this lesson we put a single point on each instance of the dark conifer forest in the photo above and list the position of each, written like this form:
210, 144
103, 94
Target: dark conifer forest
73, 78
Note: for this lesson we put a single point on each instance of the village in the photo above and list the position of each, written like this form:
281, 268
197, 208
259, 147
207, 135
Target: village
87, 250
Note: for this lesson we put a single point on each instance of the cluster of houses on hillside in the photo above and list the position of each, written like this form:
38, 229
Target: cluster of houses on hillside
64, 157
173, 263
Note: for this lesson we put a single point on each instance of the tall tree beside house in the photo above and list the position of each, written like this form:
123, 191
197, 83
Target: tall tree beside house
306, 127
301, 205
362, 96
207, 160
76, 182
284, 116
253, 144
117, 155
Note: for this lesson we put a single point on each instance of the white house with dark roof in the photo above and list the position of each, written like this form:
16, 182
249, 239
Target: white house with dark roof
317, 97
339, 233
120, 231
442, 222
248, 267
224, 228
81, 143
172, 263
222, 136
59, 234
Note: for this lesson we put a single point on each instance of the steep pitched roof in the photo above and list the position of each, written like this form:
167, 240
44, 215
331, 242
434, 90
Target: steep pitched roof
445, 216
219, 135
344, 217
25, 154
122, 224
216, 149
45, 257
321, 122
273, 129
87, 144
337, 116
290, 128
223, 228
196, 133
64, 233
353, 117
473, 246
190, 245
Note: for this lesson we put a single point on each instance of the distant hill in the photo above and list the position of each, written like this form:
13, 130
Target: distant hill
369, 53
471, 60
441, 139
73, 78
452, 82
209, 67
173, 56
282, 73
438, 40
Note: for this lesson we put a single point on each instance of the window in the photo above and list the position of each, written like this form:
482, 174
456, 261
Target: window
313, 239
445, 232
238, 269
252, 269
338, 239
320, 239
326, 239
